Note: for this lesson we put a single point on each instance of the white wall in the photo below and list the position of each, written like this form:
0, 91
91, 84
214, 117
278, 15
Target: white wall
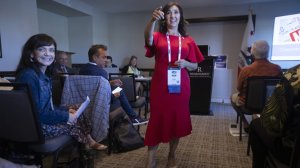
75, 34
56, 26
224, 38
123, 32
78, 5
126, 38
18, 21
80, 37
126, 31
100, 28
265, 22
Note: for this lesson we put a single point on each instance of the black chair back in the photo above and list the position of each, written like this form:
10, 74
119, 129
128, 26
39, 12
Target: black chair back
295, 160
128, 86
130, 92
20, 129
259, 89
57, 88
19, 118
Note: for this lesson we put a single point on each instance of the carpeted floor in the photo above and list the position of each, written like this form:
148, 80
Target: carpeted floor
209, 146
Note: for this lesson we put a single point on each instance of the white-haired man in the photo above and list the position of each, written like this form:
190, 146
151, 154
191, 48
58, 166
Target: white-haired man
260, 67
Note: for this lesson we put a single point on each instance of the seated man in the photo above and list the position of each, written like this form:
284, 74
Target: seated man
97, 59
279, 137
260, 67
61, 64
109, 64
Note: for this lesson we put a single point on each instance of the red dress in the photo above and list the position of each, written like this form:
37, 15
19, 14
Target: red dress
170, 114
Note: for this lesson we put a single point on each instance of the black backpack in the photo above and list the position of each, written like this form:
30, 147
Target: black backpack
122, 134
278, 108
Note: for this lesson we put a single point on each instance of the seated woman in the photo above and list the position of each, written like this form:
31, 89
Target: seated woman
132, 68
37, 54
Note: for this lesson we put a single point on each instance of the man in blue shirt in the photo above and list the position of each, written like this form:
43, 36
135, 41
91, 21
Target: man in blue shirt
97, 60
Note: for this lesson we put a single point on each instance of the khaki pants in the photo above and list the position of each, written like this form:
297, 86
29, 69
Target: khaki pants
235, 99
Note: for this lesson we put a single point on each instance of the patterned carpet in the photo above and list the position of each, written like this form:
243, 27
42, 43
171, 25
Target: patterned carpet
209, 146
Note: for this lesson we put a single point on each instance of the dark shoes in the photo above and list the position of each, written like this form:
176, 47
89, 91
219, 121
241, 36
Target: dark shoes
138, 121
246, 129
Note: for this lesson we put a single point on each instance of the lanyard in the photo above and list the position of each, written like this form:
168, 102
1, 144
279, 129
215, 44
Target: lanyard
51, 101
169, 47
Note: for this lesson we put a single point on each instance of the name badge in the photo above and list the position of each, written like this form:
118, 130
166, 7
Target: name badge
174, 79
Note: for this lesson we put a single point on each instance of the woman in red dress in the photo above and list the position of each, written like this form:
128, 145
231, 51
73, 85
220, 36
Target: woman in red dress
171, 47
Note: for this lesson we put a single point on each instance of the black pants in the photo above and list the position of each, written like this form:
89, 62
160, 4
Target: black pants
262, 142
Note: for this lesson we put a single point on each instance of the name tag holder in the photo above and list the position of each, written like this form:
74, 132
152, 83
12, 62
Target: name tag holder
174, 73
174, 79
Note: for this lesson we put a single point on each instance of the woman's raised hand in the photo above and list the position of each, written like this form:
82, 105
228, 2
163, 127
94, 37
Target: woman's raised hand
158, 14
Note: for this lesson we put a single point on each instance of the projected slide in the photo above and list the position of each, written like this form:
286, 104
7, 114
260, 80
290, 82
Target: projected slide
286, 38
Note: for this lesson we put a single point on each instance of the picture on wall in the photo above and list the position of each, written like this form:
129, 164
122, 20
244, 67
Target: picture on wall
221, 61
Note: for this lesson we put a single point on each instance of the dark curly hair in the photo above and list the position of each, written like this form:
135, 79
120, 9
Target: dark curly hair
33, 43
182, 22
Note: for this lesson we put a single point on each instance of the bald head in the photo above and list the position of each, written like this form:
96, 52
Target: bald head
260, 49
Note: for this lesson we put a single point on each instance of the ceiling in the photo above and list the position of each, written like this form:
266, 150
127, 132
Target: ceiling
119, 6
58, 8
116, 6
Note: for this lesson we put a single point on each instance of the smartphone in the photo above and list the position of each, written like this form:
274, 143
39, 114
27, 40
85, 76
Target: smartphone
116, 90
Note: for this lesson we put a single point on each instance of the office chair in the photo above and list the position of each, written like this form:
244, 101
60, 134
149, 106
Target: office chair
128, 86
20, 129
258, 90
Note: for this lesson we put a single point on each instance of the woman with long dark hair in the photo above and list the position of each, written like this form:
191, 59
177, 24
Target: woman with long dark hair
175, 53
38, 53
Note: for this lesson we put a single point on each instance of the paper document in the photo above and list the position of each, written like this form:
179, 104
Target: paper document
116, 90
83, 106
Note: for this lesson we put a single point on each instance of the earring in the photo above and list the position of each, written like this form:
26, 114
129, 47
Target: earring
31, 58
